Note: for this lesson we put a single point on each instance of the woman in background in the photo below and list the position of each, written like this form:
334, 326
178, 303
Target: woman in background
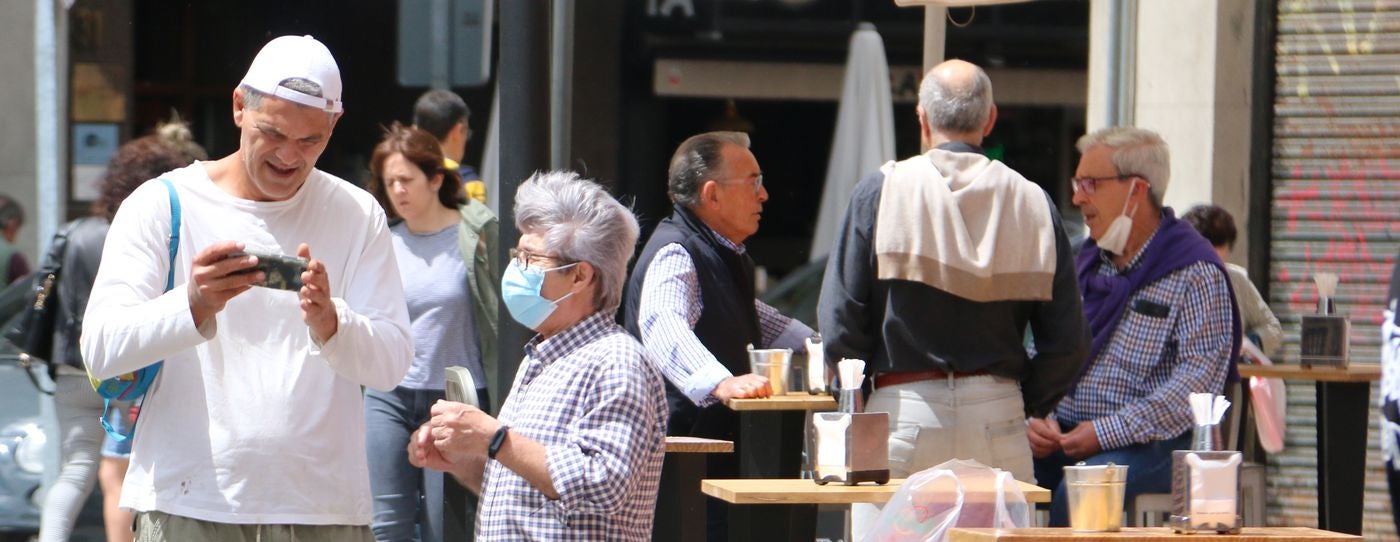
445, 246
77, 406
1260, 325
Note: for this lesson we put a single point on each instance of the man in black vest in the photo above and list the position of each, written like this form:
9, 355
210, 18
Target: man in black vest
690, 298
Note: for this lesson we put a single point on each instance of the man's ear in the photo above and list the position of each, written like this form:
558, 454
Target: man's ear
709, 192
461, 129
238, 107
991, 121
335, 119
925, 132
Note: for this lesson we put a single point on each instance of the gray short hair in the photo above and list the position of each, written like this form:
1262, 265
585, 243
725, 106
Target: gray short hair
252, 98
956, 109
698, 158
1136, 151
580, 222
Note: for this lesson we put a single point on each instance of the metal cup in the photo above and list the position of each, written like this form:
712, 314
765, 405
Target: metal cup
773, 363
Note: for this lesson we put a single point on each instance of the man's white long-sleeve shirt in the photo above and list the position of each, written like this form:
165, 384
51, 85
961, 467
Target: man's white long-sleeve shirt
250, 421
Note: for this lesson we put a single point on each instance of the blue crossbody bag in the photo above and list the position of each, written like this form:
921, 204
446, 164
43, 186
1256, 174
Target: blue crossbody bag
134, 385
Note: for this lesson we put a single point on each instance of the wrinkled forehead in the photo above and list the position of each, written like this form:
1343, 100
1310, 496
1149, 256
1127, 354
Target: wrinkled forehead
291, 119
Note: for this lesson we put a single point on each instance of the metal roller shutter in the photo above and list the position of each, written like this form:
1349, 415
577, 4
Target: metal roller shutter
1336, 208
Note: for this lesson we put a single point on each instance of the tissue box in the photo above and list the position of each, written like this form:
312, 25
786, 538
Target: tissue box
1324, 340
1206, 491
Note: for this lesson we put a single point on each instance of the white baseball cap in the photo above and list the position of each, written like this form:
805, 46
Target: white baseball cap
302, 57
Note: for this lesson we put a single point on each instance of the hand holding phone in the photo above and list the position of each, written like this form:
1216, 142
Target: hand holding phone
280, 271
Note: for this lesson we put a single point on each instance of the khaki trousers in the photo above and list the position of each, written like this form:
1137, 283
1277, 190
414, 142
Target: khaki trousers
163, 527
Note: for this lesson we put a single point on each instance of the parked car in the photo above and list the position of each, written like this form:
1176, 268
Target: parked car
24, 445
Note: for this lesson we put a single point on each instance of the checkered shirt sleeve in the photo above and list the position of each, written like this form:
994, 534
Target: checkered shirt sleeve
1136, 391
598, 406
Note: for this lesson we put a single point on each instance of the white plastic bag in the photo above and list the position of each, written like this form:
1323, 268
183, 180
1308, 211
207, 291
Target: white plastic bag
956, 493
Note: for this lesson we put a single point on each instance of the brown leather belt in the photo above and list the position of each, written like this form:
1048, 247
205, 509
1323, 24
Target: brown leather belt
904, 377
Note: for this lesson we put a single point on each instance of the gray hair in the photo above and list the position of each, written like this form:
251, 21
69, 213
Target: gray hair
252, 98
1136, 151
956, 108
580, 222
11, 214
697, 159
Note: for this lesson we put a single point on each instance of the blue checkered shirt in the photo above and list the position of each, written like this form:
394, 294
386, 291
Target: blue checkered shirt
1136, 390
670, 306
590, 396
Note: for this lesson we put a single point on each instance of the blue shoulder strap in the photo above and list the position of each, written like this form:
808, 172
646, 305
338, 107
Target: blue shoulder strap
151, 371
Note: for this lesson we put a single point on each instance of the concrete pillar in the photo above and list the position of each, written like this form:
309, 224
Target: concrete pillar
17, 88
1192, 84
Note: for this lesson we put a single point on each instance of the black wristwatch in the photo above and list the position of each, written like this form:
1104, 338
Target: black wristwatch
496, 441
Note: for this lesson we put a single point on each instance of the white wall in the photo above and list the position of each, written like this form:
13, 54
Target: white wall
1192, 84
17, 146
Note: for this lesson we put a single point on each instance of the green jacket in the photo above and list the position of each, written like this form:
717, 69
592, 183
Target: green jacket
478, 235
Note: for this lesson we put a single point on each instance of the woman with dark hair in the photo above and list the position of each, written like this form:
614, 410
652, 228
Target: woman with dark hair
77, 406
1260, 325
444, 245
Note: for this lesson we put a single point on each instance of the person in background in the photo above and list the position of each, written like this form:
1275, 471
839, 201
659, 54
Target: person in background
691, 297
12, 262
78, 408
1390, 389
444, 114
943, 320
1261, 327
444, 245
576, 451
1161, 316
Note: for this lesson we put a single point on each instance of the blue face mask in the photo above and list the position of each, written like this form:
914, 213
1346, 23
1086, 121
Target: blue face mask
520, 288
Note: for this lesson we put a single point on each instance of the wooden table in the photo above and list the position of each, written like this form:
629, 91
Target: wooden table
770, 444
1343, 406
769, 491
789, 402
1248, 534
680, 509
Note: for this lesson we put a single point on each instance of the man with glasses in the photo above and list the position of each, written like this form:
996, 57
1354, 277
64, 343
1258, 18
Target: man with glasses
943, 263
691, 301
1161, 314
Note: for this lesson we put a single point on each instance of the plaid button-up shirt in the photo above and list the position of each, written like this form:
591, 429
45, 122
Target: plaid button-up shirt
590, 396
1136, 391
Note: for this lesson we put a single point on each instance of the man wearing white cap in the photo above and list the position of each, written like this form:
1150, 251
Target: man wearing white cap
253, 429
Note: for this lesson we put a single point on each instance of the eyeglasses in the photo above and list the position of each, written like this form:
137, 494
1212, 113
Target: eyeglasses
757, 182
525, 257
1086, 184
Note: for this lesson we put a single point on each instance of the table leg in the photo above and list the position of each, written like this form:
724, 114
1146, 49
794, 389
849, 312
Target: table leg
680, 507
1343, 410
770, 446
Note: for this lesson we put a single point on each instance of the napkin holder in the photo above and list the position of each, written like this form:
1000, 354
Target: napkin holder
1323, 340
851, 448
1206, 491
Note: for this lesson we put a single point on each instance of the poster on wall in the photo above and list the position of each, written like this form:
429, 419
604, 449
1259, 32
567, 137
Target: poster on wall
94, 143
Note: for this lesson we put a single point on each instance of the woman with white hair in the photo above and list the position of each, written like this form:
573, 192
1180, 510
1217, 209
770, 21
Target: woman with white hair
576, 452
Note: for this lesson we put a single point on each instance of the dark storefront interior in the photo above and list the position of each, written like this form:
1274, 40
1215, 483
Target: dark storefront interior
189, 56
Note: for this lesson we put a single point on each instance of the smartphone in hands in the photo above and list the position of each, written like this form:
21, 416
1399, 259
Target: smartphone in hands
280, 272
